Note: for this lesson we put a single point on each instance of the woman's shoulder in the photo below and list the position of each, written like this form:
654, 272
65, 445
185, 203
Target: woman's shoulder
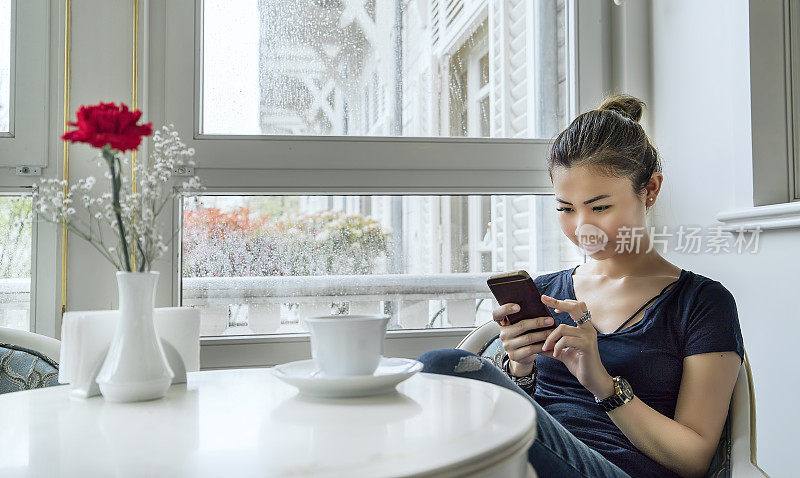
551, 275
705, 290
710, 320
549, 279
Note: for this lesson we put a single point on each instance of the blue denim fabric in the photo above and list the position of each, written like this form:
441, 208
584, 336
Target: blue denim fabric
555, 452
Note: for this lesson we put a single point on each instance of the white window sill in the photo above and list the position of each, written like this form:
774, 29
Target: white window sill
776, 216
270, 350
390, 335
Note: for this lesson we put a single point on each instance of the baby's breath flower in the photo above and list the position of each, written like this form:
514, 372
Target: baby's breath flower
136, 212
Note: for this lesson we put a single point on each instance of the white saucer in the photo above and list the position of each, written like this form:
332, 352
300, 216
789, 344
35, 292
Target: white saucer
303, 375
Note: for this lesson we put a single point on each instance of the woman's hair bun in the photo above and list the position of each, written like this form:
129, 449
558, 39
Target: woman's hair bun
626, 105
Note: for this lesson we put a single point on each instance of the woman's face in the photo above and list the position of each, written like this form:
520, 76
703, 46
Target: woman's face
594, 208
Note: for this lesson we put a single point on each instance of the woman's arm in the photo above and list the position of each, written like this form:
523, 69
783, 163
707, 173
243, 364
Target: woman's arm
686, 444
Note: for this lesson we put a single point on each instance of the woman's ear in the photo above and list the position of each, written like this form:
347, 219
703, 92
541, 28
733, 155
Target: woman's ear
653, 187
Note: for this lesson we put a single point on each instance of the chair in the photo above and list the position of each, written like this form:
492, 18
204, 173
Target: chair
736, 453
27, 360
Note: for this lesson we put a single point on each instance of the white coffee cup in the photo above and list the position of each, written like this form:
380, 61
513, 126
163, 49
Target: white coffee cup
344, 345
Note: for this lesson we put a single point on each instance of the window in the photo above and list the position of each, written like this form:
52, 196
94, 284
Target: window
300, 67
15, 261
774, 98
257, 264
274, 91
24, 76
322, 99
23, 81
5, 64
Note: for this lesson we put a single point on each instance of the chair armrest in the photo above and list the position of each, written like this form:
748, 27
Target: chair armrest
479, 337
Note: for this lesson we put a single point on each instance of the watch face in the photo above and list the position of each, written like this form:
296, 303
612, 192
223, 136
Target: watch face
626, 389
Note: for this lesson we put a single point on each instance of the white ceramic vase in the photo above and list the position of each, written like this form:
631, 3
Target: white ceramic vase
135, 368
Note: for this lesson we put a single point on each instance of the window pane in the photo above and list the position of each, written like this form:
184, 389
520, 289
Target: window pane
5, 64
258, 264
484, 69
333, 67
484, 116
15, 261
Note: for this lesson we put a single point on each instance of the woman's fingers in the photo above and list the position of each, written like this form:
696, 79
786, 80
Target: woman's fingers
501, 312
523, 354
567, 341
520, 342
561, 331
574, 308
508, 332
529, 338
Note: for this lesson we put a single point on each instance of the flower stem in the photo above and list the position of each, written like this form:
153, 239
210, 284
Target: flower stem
116, 182
144, 258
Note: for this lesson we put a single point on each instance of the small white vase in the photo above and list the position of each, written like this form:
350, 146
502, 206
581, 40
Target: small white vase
135, 368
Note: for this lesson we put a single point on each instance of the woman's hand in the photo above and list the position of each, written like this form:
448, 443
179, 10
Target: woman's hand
518, 344
576, 347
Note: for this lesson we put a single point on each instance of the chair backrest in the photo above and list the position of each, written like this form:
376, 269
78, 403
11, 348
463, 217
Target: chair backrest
742, 415
41, 343
27, 360
479, 337
736, 453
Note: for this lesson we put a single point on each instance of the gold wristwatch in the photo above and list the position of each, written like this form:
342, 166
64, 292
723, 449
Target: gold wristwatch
623, 393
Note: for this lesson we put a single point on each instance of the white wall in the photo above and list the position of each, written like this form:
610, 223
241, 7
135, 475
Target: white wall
700, 115
98, 72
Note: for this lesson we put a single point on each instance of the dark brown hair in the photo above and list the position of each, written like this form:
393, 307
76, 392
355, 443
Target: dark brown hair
609, 140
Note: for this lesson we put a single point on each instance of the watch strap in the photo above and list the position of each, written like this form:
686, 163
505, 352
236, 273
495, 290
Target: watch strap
623, 393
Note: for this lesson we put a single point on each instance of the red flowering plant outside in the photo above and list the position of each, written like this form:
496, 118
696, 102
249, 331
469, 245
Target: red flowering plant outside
130, 216
217, 243
241, 244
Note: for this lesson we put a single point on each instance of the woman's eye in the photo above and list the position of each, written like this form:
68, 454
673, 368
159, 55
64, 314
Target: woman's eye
596, 208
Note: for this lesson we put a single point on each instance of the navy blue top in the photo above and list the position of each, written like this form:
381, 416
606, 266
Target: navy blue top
696, 315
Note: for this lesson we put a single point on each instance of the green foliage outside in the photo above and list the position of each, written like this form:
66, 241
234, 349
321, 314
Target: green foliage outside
15, 237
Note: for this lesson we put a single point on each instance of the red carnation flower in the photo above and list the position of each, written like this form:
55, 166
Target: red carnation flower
108, 124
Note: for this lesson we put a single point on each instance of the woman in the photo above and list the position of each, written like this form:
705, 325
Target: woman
680, 352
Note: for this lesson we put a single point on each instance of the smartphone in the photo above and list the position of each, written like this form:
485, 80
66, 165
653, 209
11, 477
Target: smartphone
518, 288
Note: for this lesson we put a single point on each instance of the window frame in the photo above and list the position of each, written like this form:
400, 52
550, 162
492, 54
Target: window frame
183, 108
346, 165
475, 92
774, 121
34, 69
41, 327
29, 87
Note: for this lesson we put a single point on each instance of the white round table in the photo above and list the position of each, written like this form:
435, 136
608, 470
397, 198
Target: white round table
246, 422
